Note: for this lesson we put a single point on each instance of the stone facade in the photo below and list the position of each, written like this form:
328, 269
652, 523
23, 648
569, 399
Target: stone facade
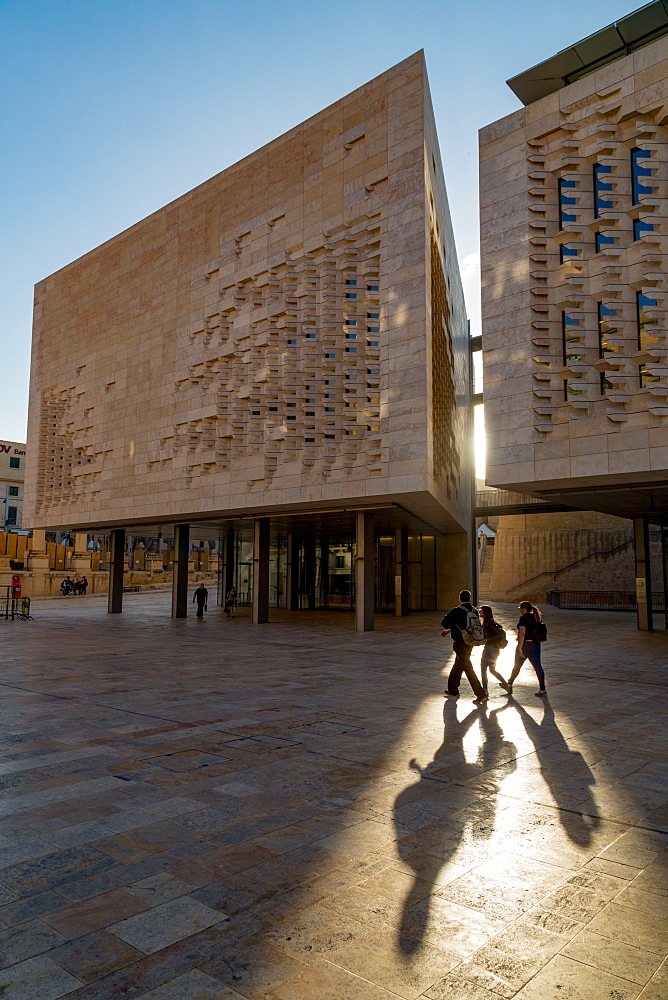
12, 472
287, 336
574, 282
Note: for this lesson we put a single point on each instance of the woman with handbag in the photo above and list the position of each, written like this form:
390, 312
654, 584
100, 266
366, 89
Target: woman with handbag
495, 641
530, 633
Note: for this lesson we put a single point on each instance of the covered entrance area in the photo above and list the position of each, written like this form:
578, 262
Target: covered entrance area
367, 561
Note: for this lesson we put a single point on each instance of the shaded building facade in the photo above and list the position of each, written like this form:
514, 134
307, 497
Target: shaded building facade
279, 360
573, 217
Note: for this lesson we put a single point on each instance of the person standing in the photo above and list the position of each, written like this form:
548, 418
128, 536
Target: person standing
83, 586
230, 601
530, 633
454, 624
201, 595
494, 637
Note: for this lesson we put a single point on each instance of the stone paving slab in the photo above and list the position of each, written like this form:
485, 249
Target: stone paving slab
294, 812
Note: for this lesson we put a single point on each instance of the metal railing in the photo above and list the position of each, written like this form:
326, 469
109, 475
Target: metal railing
14, 607
600, 600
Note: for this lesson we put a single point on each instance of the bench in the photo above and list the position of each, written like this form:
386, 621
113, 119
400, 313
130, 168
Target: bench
132, 590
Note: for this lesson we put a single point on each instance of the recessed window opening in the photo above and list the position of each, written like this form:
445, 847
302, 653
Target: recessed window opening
565, 200
566, 252
640, 227
570, 338
601, 204
603, 241
606, 331
638, 171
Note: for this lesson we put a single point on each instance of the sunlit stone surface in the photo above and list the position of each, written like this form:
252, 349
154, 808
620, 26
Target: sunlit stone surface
205, 810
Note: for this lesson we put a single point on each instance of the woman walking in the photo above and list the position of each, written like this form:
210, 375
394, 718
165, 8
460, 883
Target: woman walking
495, 637
230, 602
530, 633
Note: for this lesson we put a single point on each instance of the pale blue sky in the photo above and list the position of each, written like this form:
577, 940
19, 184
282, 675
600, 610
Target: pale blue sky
111, 108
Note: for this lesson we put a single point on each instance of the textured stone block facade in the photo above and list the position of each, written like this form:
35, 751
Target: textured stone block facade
291, 333
573, 224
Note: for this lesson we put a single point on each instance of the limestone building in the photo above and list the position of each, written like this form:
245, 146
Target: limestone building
573, 224
12, 471
279, 359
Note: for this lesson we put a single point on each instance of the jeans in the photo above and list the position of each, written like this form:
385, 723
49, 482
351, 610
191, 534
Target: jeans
463, 665
490, 655
530, 651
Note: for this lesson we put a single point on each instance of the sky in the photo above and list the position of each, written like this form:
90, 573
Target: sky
112, 108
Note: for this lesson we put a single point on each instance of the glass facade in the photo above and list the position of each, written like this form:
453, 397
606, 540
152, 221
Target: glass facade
324, 570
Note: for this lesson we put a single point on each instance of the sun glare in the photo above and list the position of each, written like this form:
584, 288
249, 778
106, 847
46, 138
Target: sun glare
479, 440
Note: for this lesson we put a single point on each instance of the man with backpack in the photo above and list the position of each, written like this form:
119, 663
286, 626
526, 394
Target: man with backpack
465, 629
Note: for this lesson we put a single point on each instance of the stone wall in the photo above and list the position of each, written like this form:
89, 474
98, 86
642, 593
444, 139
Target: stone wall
537, 553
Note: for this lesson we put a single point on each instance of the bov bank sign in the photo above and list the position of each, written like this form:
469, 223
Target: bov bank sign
8, 448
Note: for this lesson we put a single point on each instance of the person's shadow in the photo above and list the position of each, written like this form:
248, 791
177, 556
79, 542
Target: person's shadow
435, 844
577, 808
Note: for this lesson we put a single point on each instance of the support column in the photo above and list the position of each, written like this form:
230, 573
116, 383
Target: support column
453, 567
116, 568
364, 572
643, 573
401, 573
324, 570
292, 575
180, 571
261, 539
81, 560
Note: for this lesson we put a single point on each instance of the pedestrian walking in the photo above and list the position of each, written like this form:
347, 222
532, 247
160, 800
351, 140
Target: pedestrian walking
201, 595
230, 601
531, 632
463, 625
495, 641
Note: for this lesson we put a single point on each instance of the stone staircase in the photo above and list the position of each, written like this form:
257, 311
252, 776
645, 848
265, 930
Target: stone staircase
485, 577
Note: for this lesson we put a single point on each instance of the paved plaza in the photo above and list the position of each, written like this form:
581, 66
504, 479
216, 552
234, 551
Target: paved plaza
198, 810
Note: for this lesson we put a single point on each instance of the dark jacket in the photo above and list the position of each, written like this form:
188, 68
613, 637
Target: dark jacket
456, 619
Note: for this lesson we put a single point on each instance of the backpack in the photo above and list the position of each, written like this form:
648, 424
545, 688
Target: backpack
498, 640
473, 634
540, 632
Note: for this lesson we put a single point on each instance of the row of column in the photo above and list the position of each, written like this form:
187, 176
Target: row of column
179, 571
365, 556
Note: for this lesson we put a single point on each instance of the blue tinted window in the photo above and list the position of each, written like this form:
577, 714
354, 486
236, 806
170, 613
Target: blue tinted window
647, 323
638, 171
566, 252
600, 186
11, 515
15, 463
603, 241
565, 199
640, 227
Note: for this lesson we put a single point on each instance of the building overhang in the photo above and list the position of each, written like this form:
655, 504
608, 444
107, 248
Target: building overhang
586, 56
